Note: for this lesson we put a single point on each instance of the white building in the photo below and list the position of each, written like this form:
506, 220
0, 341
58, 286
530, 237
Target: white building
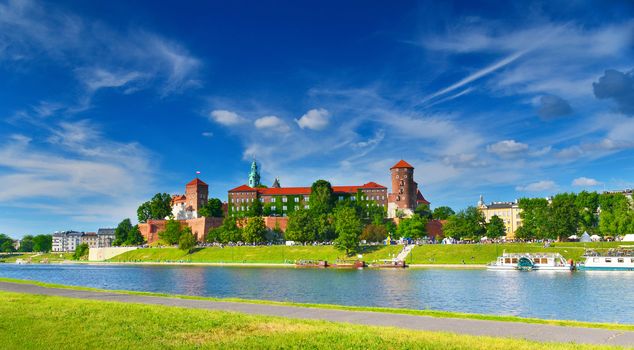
105, 237
66, 241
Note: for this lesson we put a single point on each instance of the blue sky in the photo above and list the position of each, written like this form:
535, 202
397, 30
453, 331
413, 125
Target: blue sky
103, 104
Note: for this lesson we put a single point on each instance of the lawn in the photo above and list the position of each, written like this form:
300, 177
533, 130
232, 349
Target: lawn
36, 322
424, 254
37, 258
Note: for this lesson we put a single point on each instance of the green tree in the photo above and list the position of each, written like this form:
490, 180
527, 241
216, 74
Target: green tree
42, 243
374, 233
534, 214
7, 246
414, 227
495, 227
81, 251
121, 232
255, 209
225, 233
423, 210
563, 216
321, 199
255, 230
587, 204
466, 224
134, 237
301, 226
187, 240
616, 216
159, 207
442, 213
211, 209
172, 232
26, 244
348, 228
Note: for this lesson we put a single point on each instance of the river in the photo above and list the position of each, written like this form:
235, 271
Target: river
582, 296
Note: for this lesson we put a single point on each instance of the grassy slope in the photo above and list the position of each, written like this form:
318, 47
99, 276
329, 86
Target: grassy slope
37, 258
36, 322
424, 254
430, 313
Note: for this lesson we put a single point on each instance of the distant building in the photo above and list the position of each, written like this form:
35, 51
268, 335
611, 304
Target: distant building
509, 212
105, 237
626, 192
405, 196
186, 206
16, 244
91, 239
66, 241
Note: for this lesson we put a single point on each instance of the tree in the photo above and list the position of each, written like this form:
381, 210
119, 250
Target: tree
7, 246
121, 232
534, 215
42, 243
587, 204
134, 237
414, 227
423, 211
255, 230
255, 209
468, 223
301, 227
26, 244
159, 207
495, 227
616, 216
563, 216
187, 240
321, 199
172, 232
442, 213
211, 209
374, 233
81, 251
348, 228
225, 233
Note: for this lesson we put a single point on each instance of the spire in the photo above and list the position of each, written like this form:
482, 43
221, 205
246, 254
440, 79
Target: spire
481, 201
254, 175
276, 183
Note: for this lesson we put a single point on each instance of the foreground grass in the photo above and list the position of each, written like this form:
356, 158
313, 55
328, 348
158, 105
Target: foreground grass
469, 254
65, 323
430, 313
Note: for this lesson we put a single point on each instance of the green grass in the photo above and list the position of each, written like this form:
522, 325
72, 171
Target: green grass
246, 254
37, 322
430, 313
472, 254
37, 258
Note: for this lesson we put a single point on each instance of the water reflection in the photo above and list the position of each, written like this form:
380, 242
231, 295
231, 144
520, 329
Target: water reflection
585, 296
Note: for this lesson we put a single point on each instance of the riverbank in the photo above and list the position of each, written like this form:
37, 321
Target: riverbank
414, 312
456, 255
168, 322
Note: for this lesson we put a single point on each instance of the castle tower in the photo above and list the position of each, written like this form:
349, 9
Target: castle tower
196, 194
254, 175
404, 190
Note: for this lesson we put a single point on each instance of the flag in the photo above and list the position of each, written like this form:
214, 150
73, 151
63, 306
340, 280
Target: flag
197, 172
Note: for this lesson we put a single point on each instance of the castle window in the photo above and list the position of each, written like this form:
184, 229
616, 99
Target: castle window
397, 176
296, 199
273, 207
340, 198
296, 207
284, 208
306, 198
307, 206
284, 199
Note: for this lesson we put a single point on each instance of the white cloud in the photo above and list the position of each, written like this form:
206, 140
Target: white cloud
207, 133
273, 123
225, 117
507, 148
97, 78
585, 182
539, 186
315, 119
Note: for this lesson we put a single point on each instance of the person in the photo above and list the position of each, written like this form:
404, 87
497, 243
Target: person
463, 261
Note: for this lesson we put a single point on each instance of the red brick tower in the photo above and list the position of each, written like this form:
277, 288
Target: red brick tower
197, 193
404, 188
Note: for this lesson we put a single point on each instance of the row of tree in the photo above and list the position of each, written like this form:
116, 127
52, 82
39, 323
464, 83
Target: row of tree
566, 214
29, 243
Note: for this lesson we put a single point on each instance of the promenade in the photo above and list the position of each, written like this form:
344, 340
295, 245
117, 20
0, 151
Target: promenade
535, 332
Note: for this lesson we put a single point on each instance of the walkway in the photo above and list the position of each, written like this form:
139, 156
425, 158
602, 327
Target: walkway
536, 332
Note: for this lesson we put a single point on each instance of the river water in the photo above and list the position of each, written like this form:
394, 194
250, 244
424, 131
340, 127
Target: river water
582, 296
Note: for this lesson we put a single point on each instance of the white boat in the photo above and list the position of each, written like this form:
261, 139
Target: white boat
617, 259
532, 261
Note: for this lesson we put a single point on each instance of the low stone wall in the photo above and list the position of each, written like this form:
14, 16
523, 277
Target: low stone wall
103, 254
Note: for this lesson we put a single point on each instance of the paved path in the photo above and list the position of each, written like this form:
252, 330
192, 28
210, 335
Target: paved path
536, 332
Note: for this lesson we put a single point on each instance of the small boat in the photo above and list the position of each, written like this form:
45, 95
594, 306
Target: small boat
311, 263
532, 261
348, 264
616, 259
389, 263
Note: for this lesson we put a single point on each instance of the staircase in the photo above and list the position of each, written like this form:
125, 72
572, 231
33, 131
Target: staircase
405, 252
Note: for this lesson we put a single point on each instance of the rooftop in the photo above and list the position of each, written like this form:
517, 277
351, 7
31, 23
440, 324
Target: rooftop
402, 164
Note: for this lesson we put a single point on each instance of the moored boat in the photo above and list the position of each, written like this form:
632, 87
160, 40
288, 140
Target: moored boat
311, 263
616, 259
389, 263
532, 261
348, 264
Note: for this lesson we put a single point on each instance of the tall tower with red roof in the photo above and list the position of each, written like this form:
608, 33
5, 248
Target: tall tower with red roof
196, 194
405, 195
